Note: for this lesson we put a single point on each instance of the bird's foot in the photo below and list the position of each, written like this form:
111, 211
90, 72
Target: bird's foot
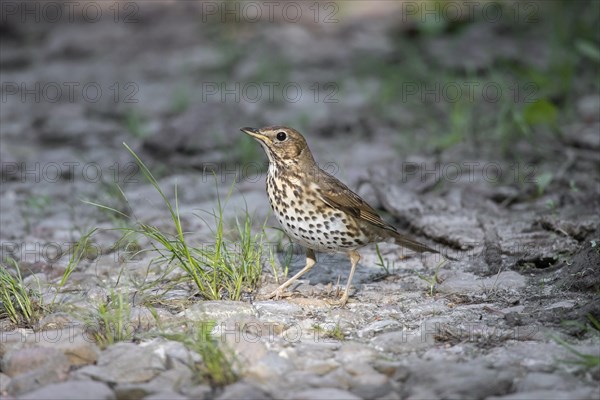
341, 302
276, 294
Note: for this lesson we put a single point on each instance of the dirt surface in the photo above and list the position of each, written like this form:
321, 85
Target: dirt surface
503, 174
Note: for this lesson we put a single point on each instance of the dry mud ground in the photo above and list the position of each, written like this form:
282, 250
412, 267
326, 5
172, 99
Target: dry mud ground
520, 214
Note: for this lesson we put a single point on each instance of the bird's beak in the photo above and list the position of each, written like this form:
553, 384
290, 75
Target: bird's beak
254, 133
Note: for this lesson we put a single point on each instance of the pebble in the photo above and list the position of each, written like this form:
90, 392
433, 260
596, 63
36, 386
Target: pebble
577, 394
126, 363
218, 311
241, 391
142, 319
248, 348
269, 368
58, 320
463, 282
4, 383
355, 353
370, 386
403, 341
277, 308
376, 327
79, 347
322, 394
199, 392
24, 360
316, 366
544, 381
72, 390
37, 378
167, 395
458, 380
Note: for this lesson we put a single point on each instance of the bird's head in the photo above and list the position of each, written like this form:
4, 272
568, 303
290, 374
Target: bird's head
282, 145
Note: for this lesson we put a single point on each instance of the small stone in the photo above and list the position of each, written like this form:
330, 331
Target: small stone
37, 378
316, 366
378, 327
323, 394
77, 345
12, 340
353, 352
242, 390
561, 304
370, 386
199, 392
218, 311
126, 363
279, 308
403, 341
577, 394
72, 390
544, 381
166, 396
461, 282
393, 395
59, 320
142, 319
248, 349
176, 352
4, 383
278, 313
270, 367
25, 360
446, 379
338, 378
390, 368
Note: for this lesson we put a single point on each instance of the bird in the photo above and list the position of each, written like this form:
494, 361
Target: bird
315, 209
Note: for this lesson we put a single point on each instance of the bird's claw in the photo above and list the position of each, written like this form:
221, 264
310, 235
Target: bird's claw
276, 294
341, 302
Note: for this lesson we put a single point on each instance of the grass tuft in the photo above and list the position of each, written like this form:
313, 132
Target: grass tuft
222, 269
587, 361
330, 331
80, 251
385, 264
20, 303
110, 322
218, 366
434, 279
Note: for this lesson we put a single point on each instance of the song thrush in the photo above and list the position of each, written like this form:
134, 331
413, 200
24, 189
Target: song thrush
314, 208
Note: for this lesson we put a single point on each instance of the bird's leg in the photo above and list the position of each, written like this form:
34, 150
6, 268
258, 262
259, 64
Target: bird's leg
354, 259
310, 262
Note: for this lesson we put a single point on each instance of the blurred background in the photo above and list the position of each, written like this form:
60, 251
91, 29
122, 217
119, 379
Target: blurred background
417, 83
473, 126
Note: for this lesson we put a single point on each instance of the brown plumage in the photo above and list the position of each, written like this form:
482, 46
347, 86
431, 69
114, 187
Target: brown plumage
314, 208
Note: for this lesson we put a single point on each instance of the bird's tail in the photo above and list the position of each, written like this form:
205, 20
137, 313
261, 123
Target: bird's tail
409, 243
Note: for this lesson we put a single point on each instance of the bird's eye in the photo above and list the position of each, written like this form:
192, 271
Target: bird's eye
281, 136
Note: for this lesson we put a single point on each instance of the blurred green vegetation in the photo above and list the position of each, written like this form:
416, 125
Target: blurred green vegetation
535, 99
512, 96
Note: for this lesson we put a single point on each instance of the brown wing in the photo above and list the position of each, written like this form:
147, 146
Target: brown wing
338, 195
